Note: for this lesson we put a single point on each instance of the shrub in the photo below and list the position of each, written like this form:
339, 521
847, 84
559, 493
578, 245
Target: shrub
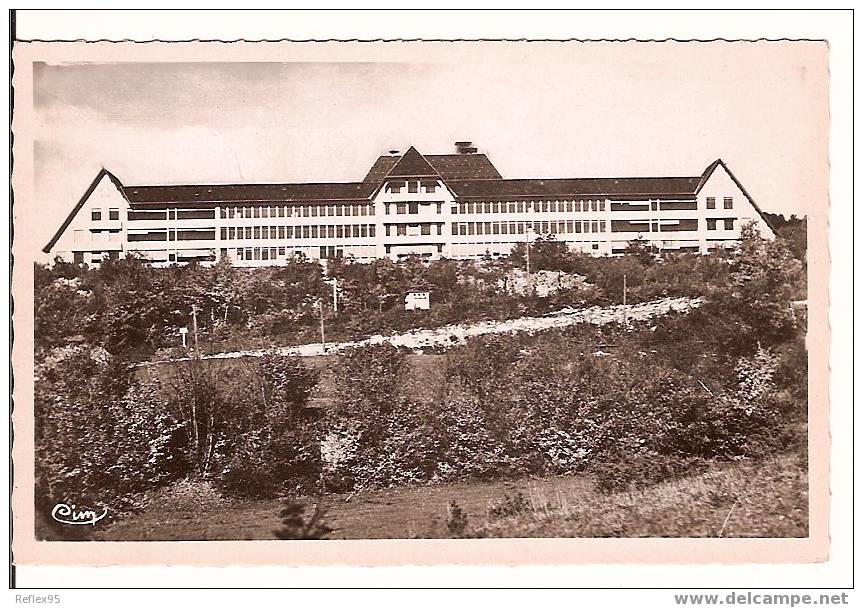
100, 436
296, 527
508, 506
248, 476
456, 520
634, 470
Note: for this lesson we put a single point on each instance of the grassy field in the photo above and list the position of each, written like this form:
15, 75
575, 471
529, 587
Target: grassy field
745, 499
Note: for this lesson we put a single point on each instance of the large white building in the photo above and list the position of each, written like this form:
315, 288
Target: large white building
448, 205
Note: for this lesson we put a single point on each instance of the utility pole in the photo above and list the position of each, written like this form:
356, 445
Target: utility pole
323, 340
335, 296
195, 326
624, 301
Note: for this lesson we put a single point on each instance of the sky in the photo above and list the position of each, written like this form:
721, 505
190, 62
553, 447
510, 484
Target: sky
585, 110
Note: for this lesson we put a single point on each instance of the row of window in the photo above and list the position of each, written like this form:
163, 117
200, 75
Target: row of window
727, 202
728, 223
173, 234
96, 214
249, 254
313, 210
558, 227
413, 186
528, 207
684, 225
410, 208
338, 231
413, 229
171, 214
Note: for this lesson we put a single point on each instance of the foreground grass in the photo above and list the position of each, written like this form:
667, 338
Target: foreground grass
745, 499
766, 499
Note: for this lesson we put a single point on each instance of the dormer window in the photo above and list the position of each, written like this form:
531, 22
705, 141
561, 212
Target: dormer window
413, 186
394, 187
430, 187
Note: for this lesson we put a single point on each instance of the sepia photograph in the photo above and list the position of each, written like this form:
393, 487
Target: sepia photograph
425, 290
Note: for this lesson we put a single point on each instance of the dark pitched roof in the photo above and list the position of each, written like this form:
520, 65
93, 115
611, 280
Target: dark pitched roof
379, 170
412, 164
242, 193
102, 173
582, 187
448, 166
463, 166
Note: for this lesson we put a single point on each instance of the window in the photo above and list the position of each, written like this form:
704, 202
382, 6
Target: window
711, 202
728, 202
314, 232
425, 229
371, 230
413, 186
305, 232
401, 208
96, 215
711, 224
394, 188
413, 208
401, 230
729, 224
113, 214
430, 187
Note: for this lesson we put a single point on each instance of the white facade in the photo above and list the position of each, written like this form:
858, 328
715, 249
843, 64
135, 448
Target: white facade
399, 214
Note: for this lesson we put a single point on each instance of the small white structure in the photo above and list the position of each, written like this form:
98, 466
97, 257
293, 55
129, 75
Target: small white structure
417, 300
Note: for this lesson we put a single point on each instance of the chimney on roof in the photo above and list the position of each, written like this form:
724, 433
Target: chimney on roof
464, 147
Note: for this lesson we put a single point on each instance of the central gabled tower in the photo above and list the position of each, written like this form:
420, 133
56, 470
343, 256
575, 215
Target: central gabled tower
413, 208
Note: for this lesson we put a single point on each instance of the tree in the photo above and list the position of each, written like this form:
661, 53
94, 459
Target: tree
546, 253
756, 305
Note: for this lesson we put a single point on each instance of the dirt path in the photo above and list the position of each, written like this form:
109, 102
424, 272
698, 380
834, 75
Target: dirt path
451, 335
